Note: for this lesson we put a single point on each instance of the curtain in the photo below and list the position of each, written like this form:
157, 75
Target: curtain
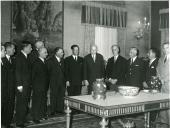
104, 38
164, 18
112, 17
89, 38
164, 35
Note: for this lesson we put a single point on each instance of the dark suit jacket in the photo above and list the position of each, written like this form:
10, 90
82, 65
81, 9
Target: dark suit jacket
56, 72
135, 73
117, 70
74, 70
23, 71
3, 84
151, 70
33, 56
10, 70
40, 77
93, 70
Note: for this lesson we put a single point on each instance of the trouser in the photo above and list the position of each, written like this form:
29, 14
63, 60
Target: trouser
7, 109
164, 118
74, 90
57, 98
39, 104
22, 103
153, 115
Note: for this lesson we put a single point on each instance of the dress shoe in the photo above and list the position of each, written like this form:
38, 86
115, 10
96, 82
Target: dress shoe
52, 115
36, 121
20, 126
44, 118
60, 113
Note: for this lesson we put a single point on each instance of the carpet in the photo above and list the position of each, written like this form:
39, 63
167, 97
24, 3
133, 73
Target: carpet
81, 121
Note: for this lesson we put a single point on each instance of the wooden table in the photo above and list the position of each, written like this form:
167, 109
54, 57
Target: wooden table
117, 105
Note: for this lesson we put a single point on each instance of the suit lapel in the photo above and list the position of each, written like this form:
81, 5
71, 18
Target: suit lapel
152, 63
91, 58
118, 58
56, 61
97, 57
135, 62
6, 61
26, 58
72, 58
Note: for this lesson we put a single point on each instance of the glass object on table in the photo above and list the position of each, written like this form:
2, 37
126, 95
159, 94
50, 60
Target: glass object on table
99, 89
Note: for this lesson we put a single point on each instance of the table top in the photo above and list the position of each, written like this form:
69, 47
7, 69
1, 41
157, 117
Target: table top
116, 99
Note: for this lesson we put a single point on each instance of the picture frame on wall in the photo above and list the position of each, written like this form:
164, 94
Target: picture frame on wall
38, 20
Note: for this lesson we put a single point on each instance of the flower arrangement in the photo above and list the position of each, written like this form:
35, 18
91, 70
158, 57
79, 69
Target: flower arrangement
155, 83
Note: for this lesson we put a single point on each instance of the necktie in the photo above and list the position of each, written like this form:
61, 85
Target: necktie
75, 58
165, 59
131, 62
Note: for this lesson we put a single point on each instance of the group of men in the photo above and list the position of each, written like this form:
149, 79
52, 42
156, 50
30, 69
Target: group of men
36, 73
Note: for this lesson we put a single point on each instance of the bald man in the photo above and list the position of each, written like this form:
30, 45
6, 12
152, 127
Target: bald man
40, 82
135, 69
93, 67
34, 54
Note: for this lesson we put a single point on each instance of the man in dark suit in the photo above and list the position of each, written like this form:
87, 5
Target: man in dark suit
135, 69
93, 67
57, 81
23, 83
8, 62
34, 53
151, 65
74, 72
3, 88
116, 68
40, 82
150, 70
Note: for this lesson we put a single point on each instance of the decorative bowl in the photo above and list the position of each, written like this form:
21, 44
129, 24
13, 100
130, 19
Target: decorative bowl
128, 90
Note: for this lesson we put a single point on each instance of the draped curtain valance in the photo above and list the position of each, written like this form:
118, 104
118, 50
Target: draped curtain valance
164, 18
111, 17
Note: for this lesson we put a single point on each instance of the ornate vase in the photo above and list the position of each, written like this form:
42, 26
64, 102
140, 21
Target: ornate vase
99, 89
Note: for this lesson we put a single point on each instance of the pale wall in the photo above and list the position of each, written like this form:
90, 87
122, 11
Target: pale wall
73, 30
5, 21
136, 11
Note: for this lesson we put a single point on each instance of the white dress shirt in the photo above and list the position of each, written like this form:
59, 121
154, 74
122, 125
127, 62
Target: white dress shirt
115, 58
151, 61
42, 59
24, 53
58, 59
75, 57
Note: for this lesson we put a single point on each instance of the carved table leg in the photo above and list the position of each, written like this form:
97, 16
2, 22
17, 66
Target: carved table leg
104, 123
68, 111
147, 120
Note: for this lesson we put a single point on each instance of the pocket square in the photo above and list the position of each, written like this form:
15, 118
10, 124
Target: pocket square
136, 65
152, 67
